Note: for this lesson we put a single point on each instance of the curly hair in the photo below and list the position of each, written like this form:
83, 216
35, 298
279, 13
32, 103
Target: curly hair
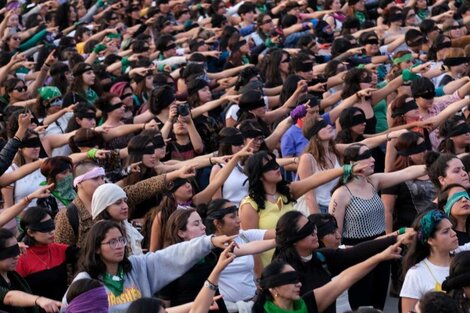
253, 169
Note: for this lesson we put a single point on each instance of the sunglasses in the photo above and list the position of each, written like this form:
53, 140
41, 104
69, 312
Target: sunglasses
267, 21
21, 89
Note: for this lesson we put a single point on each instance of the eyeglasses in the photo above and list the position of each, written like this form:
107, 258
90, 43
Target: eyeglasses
21, 89
115, 243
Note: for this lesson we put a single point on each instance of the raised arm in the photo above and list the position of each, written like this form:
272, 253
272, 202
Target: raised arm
385, 180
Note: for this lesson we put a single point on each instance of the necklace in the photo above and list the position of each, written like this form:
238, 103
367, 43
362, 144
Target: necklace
46, 264
272, 196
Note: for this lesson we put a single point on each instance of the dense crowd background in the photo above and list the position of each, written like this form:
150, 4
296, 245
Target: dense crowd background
243, 156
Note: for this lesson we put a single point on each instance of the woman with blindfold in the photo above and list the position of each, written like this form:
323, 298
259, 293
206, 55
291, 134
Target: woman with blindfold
455, 134
455, 202
458, 282
426, 263
16, 293
360, 214
27, 153
181, 195
185, 225
270, 196
237, 281
281, 287
113, 111
456, 65
44, 264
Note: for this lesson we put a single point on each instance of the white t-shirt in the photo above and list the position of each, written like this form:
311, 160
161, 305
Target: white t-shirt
419, 280
237, 280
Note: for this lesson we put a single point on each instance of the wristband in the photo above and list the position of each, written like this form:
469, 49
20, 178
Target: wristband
125, 62
211, 286
408, 76
314, 22
92, 153
402, 230
210, 161
347, 171
17, 138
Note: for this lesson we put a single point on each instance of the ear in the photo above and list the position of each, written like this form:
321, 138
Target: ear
181, 234
30, 232
216, 224
442, 180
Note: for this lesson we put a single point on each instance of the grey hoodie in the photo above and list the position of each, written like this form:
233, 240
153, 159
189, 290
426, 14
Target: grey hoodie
153, 271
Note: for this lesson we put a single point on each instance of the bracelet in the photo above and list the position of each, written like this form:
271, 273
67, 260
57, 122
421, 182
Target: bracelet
17, 138
401, 231
212, 284
210, 161
27, 199
92, 153
387, 137
36, 301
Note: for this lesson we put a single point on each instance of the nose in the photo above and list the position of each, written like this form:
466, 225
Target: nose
453, 233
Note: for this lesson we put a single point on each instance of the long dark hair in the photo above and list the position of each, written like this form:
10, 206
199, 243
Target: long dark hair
442, 197
345, 135
447, 145
213, 206
286, 228
272, 74
138, 142
272, 269
253, 169
460, 265
350, 154
31, 217
90, 261
418, 250
352, 81
436, 165
143, 305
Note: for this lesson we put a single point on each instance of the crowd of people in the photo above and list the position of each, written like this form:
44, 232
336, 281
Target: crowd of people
187, 156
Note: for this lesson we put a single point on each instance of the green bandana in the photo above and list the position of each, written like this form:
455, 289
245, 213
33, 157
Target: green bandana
299, 307
49, 92
453, 199
64, 191
403, 58
91, 96
361, 16
115, 283
428, 224
422, 14
112, 36
262, 8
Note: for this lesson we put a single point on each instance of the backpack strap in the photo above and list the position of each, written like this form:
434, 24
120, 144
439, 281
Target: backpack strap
72, 215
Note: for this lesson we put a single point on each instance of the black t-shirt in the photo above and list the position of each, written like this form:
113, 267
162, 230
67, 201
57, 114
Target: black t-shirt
412, 197
463, 237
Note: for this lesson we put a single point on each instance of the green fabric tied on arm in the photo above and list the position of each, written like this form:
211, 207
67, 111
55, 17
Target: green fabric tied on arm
407, 75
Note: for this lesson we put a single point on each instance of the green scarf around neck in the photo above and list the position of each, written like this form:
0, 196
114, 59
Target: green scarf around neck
299, 307
115, 283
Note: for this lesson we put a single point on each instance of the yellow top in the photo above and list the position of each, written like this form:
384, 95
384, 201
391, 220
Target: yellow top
268, 218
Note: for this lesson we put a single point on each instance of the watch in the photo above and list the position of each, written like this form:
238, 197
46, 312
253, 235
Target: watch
210, 285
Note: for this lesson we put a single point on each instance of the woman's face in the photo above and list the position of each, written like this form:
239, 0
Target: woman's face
267, 25
149, 82
81, 11
271, 176
127, 97
412, 116
184, 193
119, 210
109, 254
43, 238
462, 206
326, 133
257, 142
287, 292
194, 228
63, 174
360, 128
368, 170
456, 31
204, 95
421, 4
461, 140
236, 149
455, 174
149, 160
332, 240
231, 224
20, 92
117, 113
259, 112
284, 65
72, 14
86, 122
360, 6
308, 244
406, 64
8, 265
336, 5
372, 49
411, 19
418, 158
89, 78
180, 128
444, 239
89, 186
13, 21
30, 154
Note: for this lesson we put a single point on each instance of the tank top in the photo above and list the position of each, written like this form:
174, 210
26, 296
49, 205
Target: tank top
364, 218
235, 187
323, 192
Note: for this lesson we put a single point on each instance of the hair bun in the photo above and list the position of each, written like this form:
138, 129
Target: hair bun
431, 157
